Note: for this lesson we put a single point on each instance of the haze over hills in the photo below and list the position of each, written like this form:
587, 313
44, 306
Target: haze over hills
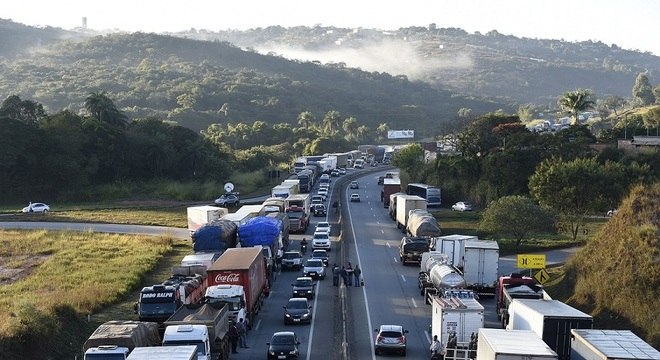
275, 73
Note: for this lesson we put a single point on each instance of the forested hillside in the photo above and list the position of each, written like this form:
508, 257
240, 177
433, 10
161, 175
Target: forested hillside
197, 83
521, 70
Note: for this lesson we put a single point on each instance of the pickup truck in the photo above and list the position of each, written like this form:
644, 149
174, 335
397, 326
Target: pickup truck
292, 260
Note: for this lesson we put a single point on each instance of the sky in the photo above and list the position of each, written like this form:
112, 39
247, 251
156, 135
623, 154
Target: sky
630, 24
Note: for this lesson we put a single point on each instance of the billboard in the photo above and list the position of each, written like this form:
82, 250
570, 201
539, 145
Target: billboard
400, 134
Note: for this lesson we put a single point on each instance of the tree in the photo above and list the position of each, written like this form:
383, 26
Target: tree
411, 160
381, 132
576, 101
652, 119
613, 103
576, 188
350, 127
331, 122
25, 111
306, 119
656, 93
517, 216
103, 109
642, 91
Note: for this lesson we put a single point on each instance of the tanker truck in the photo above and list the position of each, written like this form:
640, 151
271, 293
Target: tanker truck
436, 275
422, 224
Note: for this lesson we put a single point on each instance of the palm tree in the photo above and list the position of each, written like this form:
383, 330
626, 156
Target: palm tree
331, 122
575, 101
101, 107
381, 131
350, 127
306, 119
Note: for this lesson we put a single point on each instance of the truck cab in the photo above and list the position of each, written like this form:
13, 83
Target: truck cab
157, 303
197, 335
106, 352
233, 296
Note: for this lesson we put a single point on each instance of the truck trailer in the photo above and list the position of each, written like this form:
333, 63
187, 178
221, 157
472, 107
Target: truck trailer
116, 339
422, 224
481, 265
551, 320
244, 267
498, 344
179, 352
215, 237
199, 216
203, 325
593, 344
390, 186
453, 246
267, 232
404, 204
456, 315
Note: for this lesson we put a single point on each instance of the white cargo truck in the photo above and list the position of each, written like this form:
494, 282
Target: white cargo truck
498, 344
481, 265
593, 344
456, 315
453, 246
181, 352
551, 320
404, 204
199, 216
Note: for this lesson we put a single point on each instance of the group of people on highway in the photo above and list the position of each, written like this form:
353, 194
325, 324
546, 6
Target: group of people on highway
349, 275
238, 335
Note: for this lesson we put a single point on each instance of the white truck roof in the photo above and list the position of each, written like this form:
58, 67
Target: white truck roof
175, 333
610, 344
513, 342
179, 352
550, 308
224, 291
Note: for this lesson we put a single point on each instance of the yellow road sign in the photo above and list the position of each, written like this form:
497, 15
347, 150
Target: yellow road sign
542, 276
530, 261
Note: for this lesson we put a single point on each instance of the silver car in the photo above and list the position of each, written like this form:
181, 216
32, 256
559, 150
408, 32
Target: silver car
314, 268
390, 339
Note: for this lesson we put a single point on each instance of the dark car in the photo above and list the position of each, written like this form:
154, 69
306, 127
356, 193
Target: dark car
304, 287
321, 254
297, 311
319, 210
283, 345
412, 248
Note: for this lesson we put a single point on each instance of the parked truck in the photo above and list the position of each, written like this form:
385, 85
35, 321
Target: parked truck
286, 223
244, 213
592, 344
306, 179
390, 186
298, 209
453, 246
481, 265
436, 275
281, 191
200, 259
243, 272
199, 216
328, 164
392, 205
187, 285
294, 185
404, 204
457, 316
273, 204
116, 339
422, 224
551, 320
498, 344
342, 159
203, 325
215, 237
179, 352
267, 232
516, 286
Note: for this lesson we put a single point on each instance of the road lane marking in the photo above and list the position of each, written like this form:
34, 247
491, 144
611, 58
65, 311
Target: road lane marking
403, 278
258, 325
388, 244
414, 302
311, 328
382, 231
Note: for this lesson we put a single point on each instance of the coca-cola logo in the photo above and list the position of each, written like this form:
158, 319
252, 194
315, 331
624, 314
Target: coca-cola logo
228, 278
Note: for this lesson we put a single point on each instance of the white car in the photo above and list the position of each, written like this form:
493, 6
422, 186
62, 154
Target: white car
321, 240
36, 208
355, 197
323, 226
462, 206
324, 193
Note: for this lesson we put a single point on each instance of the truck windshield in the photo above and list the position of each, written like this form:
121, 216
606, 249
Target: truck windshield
105, 356
201, 349
157, 308
234, 303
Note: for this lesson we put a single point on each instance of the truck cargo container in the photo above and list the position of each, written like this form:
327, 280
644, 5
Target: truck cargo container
215, 237
204, 325
286, 223
283, 191
267, 232
453, 246
294, 185
392, 205
593, 344
328, 164
115, 339
498, 344
199, 216
422, 224
244, 267
180, 352
297, 207
200, 259
404, 204
342, 159
459, 315
390, 186
273, 204
551, 320
244, 213
481, 265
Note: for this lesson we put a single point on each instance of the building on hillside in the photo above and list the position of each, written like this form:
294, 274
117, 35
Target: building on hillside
648, 144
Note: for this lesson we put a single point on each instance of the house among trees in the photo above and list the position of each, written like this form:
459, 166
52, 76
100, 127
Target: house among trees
648, 144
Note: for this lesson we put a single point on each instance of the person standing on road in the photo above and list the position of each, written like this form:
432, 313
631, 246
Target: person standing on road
344, 275
349, 275
335, 275
242, 333
233, 337
356, 273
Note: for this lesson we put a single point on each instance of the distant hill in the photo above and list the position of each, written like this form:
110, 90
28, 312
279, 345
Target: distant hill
616, 276
521, 70
196, 83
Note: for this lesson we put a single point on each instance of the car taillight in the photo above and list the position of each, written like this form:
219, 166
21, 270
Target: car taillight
379, 339
402, 340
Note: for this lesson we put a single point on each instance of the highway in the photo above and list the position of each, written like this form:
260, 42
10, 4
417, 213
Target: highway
344, 318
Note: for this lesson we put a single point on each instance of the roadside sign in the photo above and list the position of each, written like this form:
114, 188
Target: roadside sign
542, 276
531, 261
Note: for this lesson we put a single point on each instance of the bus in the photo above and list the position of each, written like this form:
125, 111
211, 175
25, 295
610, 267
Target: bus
428, 192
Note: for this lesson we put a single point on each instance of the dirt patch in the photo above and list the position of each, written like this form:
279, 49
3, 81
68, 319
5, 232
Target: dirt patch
14, 268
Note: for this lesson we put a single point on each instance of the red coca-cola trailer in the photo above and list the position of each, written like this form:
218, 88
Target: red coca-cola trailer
244, 267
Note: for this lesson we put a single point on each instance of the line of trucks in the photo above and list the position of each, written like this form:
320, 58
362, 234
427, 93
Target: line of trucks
457, 269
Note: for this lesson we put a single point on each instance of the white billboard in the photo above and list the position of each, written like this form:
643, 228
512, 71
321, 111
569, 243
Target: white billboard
400, 134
